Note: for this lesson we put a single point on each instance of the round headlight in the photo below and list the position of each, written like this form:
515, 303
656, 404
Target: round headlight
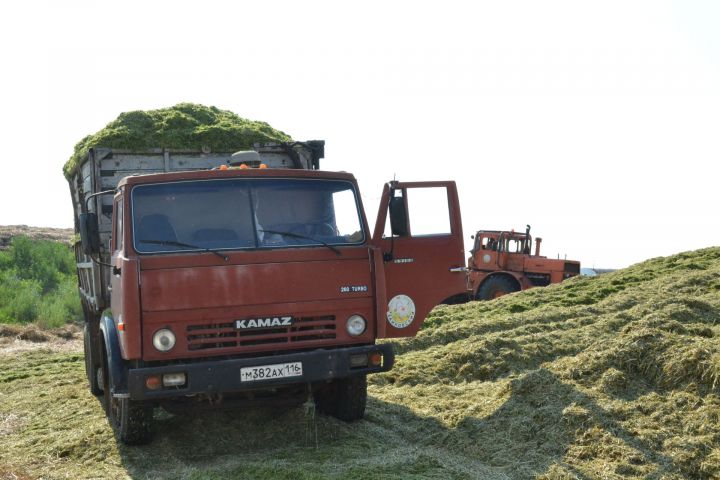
164, 340
355, 325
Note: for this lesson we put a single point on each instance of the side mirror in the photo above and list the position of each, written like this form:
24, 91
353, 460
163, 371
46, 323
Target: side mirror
89, 233
398, 217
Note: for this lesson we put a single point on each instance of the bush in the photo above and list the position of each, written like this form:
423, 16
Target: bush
19, 299
38, 283
60, 306
44, 261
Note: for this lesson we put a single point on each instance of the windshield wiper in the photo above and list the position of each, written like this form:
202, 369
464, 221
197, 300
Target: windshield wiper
181, 244
297, 235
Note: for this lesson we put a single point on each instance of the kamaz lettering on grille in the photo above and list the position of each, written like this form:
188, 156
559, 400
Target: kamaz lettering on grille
264, 322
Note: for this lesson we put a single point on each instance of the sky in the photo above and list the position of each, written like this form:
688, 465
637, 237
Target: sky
597, 123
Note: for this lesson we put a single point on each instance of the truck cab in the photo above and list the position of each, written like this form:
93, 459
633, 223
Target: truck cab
237, 283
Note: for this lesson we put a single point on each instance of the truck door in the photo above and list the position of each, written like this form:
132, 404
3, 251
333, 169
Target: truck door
419, 233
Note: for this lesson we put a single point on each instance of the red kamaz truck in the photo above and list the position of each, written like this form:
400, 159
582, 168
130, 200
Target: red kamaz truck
501, 262
211, 277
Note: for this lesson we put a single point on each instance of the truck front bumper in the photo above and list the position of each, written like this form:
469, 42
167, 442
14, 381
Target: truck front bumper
221, 376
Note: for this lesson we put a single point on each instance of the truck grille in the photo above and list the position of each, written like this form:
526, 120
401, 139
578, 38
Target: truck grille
225, 335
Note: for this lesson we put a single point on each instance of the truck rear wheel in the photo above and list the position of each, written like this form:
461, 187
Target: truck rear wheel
344, 399
92, 364
495, 287
130, 420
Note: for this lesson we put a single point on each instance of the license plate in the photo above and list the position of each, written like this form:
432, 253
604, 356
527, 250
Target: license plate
271, 372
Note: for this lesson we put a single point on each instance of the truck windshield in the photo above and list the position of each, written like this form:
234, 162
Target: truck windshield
244, 214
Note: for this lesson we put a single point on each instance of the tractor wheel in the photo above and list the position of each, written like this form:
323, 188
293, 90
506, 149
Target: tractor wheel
130, 420
344, 399
92, 363
495, 287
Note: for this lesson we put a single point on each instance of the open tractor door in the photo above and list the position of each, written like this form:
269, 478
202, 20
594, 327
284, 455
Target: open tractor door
419, 254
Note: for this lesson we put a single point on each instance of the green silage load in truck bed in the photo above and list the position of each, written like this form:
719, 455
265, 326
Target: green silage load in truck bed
186, 126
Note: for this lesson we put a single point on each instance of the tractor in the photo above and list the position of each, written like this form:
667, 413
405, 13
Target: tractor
501, 262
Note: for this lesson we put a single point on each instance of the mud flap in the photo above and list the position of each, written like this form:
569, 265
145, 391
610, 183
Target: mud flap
116, 364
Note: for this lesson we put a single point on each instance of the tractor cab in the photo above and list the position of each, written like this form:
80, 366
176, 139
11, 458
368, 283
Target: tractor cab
496, 247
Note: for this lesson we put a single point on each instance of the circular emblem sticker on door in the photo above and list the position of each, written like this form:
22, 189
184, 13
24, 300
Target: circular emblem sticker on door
401, 311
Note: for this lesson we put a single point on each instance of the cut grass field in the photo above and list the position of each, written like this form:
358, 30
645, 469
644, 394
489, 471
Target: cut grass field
615, 376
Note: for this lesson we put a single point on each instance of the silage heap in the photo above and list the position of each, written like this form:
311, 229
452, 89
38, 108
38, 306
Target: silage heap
615, 376
183, 127
612, 376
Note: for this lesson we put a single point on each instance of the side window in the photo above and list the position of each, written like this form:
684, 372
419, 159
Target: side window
347, 222
428, 211
117, 230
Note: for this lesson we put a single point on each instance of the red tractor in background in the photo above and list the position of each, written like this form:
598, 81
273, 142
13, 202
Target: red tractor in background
502, 263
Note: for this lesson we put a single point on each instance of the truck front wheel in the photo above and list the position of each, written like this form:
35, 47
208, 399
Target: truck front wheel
344, 399
130, 420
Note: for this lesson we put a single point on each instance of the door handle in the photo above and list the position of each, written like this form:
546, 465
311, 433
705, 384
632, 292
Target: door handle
458, 269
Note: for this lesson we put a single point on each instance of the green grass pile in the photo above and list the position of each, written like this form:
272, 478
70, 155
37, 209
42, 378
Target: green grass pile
616, 376
185, 126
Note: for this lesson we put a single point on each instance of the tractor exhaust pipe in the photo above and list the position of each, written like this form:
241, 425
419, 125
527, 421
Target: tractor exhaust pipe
527, 243
538, 241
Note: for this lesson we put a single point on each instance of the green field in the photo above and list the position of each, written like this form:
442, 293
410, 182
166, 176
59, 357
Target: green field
616, 376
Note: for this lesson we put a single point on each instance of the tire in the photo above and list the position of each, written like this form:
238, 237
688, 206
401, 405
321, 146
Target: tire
130, 420
495, 287
92, 365
344, 399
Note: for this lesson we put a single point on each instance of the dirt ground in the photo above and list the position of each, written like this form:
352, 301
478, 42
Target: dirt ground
40, 233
